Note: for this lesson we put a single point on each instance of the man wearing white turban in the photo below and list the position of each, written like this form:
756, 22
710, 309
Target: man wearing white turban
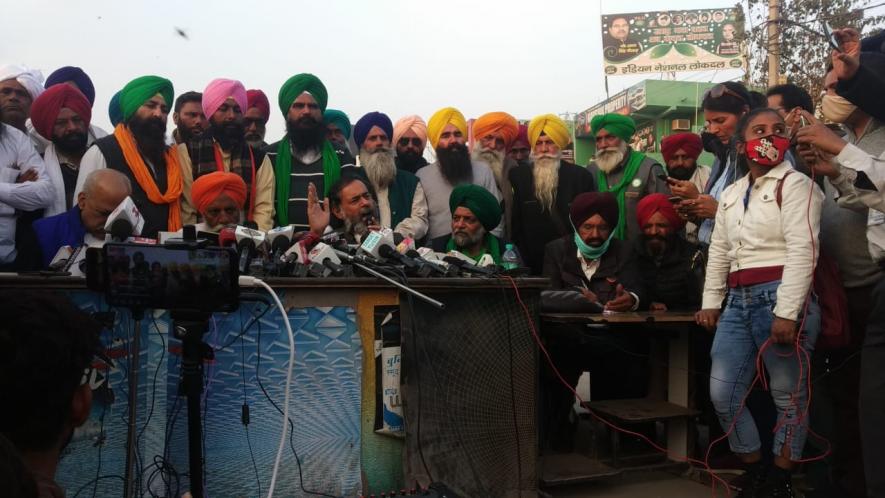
19, 86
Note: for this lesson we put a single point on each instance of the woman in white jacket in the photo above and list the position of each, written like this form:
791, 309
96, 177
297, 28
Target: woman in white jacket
762, 256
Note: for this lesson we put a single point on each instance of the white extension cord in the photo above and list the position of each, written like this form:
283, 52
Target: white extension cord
247, 281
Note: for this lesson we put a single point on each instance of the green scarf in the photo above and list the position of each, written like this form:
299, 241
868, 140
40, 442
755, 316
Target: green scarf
619, 189
491, 247
283, 173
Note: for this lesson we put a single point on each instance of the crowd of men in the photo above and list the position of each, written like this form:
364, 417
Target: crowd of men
624, 233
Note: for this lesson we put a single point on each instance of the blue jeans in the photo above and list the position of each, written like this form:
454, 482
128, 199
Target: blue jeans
743, 328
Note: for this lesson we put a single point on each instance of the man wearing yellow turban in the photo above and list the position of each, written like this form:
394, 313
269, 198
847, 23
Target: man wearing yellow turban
447, 133
543, 192
304, 156
493, 134
138, 149
628, 174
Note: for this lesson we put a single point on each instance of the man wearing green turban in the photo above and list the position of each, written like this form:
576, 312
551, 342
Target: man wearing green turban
304, 156
138, 149
625, 172
475, 213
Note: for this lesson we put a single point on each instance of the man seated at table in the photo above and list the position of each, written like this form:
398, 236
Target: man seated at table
350, 209
671, 267
475, 213
593, 267
220, 198
83, 224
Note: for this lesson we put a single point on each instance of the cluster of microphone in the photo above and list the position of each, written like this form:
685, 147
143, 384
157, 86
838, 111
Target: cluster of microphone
286, 253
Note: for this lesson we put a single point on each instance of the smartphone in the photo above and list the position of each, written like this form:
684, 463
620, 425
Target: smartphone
171, 277
831, 38
663, 177
675, 199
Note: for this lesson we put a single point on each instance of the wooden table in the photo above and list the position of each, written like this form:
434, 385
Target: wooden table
678, 378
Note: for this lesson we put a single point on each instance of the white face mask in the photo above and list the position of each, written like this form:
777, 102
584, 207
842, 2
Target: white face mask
836, 108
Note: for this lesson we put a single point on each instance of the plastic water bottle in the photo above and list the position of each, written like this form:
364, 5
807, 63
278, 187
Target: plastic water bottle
510, 258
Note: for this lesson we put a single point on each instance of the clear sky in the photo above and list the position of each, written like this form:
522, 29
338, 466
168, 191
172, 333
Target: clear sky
398, 57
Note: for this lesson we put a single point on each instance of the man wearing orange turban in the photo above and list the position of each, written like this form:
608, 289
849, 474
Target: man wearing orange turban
219, 197
542, 193
493, 134
666, 261
447, 133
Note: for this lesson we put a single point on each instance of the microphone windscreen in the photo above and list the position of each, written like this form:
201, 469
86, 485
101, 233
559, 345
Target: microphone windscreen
121, 229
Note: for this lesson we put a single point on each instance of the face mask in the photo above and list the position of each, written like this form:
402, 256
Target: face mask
767, 151
590, 252
836, 108
712, 144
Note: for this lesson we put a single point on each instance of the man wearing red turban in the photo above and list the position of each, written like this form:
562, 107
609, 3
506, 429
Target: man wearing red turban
255, 118
62, 114
687, 178
219, 197
520, 149
670, 268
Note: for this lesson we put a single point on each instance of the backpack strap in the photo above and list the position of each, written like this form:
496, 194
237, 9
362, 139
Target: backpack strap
779, 193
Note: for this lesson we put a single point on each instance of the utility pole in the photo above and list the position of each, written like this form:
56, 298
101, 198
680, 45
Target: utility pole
774, 42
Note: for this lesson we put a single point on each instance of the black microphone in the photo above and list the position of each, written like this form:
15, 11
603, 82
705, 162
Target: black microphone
121, 230
388, 252
467, 267
415, 255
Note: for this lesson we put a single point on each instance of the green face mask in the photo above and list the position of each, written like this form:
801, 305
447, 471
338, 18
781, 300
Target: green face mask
590, 252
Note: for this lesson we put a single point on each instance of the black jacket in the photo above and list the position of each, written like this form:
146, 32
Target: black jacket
617, 266
864, 89
533, 228
671, 280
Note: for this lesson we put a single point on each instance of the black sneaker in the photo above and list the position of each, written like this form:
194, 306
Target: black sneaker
779, 484
752, 481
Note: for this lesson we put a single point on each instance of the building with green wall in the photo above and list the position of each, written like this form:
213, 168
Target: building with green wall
659, 107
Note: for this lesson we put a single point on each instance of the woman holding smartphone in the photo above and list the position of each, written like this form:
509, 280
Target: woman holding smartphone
724, 105
762, 256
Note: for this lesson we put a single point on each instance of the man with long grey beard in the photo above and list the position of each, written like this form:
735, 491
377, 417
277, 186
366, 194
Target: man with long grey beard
493, 134
401, 200
542, 193
626, 173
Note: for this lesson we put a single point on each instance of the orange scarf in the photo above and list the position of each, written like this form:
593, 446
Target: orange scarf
174, 183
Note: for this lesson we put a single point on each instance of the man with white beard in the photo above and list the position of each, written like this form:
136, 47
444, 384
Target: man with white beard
493, 134
626, 173
542, 193
401, 200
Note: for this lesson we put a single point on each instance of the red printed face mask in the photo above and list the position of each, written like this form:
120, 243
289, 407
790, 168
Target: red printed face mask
767, 151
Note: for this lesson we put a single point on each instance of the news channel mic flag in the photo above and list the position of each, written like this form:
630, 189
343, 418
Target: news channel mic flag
670, 41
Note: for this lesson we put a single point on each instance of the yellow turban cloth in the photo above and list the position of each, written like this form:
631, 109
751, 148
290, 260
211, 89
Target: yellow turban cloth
552, 126
442, 118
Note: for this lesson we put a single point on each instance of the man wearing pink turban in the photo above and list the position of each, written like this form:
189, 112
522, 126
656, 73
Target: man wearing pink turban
62, 114
223, 147
410, 139
520, 150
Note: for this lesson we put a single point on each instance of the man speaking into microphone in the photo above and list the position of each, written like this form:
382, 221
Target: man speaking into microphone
84, 224
350, 210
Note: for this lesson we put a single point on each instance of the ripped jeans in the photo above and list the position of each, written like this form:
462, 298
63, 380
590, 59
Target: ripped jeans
743, 328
